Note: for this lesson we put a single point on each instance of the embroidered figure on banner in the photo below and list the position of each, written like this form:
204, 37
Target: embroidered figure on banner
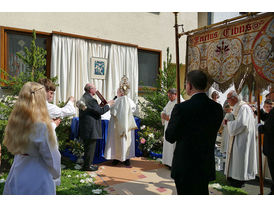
98, 68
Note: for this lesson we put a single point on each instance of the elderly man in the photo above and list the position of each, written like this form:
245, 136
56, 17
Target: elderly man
241, 164
168, 148
90, 125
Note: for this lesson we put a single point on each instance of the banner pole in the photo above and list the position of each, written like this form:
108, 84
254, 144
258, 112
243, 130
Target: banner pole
260, 145
177, 58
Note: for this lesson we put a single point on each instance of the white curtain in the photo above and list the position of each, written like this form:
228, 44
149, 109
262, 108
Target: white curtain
71, 62
123, 60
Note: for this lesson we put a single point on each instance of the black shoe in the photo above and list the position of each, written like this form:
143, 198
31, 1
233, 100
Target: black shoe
127, 162
236, 183
115, 162
90, 168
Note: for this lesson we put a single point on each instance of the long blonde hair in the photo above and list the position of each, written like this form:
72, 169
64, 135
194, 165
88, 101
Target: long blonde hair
30, 108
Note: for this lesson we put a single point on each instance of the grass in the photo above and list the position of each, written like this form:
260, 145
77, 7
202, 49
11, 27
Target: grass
73, 182
226, 189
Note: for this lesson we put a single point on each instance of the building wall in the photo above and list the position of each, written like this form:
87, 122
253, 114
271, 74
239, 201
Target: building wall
202, 19
148, 30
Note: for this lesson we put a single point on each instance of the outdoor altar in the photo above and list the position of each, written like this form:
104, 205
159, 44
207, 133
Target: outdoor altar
100, 144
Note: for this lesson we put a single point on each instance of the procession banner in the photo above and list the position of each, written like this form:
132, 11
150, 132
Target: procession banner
240, 52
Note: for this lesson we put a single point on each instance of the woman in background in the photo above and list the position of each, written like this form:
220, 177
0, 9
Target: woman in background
30, 137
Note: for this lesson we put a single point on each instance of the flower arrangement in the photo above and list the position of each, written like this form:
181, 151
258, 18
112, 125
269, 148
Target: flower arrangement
150, 139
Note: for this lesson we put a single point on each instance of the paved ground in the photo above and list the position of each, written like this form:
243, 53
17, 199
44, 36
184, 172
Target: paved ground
253, 187
143, 177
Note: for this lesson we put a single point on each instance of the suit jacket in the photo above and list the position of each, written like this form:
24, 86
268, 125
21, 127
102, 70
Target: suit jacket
193, 126
263, 115
268, 130
90, 119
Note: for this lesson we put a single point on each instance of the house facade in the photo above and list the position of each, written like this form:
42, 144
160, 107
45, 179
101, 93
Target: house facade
133, 44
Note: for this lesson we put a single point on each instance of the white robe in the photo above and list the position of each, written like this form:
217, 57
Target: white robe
33, 174
168, 148
57, 112
225, 134
121, 135
243, 165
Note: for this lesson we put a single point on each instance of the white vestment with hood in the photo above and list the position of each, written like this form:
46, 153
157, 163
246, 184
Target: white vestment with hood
243, 162
121, 135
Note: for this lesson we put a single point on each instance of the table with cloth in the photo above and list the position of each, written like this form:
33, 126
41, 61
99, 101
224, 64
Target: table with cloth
100, 144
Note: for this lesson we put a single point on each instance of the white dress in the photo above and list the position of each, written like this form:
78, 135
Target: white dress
168, 148
32, 173
121, 135
243, 165
57, 112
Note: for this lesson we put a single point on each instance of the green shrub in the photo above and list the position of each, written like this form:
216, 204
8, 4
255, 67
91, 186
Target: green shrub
156, 100
150, 140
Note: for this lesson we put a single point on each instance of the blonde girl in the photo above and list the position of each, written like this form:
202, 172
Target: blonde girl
31, 138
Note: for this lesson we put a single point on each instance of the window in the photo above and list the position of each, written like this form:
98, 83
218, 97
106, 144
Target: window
14, 41
149, 64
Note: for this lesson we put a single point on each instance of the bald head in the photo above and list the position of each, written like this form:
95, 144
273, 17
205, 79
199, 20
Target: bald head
90, 88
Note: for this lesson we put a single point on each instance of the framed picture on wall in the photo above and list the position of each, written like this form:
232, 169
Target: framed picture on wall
98, 68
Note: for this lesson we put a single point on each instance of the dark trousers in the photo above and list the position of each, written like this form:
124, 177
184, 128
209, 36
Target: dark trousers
89, 149
191, 186
270, 162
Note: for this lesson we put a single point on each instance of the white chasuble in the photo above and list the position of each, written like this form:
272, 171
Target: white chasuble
121, 135
242, 163
168, 148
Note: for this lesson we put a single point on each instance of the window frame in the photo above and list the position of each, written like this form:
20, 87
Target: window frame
141, 88
4, 46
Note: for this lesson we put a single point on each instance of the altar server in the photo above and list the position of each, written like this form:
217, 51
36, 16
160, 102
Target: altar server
168, 148
55, 111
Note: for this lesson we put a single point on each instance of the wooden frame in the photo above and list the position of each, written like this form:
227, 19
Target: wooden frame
141, 88
98, 67
4, 46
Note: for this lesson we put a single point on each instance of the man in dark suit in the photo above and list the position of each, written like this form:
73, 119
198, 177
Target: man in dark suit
193, 126
268, 144
90, 125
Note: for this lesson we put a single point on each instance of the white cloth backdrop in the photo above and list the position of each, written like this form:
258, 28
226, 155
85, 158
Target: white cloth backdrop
71, 62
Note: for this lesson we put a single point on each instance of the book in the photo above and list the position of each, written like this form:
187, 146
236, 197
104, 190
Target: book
103, 101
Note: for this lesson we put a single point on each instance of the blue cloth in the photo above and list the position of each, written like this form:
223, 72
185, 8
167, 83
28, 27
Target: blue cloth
138, 153
100, 144
74, 128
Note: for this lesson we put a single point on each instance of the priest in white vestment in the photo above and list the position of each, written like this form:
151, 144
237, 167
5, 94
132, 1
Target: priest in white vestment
241, 163
168, 148
120, 146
